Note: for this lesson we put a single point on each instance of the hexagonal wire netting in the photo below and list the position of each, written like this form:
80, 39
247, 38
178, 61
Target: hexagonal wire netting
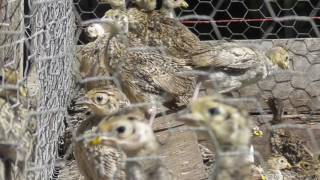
38, 42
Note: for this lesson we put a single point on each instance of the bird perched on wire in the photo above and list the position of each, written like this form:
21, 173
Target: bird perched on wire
145, 73
274, 165
131, 134
230, 130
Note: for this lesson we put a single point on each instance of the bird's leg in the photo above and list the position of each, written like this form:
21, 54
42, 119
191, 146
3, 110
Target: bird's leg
196, 91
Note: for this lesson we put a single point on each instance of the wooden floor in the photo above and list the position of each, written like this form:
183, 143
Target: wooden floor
180, 150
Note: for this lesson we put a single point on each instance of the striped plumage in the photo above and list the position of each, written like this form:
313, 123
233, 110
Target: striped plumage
146, 73
97, 162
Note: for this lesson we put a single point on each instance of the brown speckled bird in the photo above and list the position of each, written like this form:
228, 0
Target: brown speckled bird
275, 164
135, 137
309, 168
97, 102
96, 162
229, 65
16, 138
91, 61
144, 72
12, 91
104, 100
70, 171
159, 31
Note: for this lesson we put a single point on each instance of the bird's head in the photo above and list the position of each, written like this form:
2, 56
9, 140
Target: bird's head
103, 102
224, 120
94, 30
305, 165
278, 162
279, 56
117, 21
126, 131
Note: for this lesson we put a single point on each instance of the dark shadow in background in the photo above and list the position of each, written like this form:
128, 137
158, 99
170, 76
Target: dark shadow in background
230, 9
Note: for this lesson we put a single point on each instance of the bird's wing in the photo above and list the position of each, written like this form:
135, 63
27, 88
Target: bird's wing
226, 56
174, 84
162, 72
171, 33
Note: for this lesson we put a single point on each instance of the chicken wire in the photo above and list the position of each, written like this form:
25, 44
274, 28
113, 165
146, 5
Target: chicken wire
45, 29
39, 38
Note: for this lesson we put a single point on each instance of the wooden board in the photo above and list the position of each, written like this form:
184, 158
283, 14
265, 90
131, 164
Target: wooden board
180, 150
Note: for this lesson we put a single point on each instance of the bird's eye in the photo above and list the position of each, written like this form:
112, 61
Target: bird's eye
121, 129
305, 165
282, 161
214, 111
101, 100
88, 113
131, 118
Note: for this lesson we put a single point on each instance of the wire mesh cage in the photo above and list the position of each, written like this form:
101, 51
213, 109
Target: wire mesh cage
47, 60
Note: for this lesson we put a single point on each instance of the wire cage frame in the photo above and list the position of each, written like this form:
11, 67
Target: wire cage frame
39, 40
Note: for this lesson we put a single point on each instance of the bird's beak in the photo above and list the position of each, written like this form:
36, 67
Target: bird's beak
108, 141
289, 166
184, 4
286, 66
23, 91
258, 133
83, 100
96, 141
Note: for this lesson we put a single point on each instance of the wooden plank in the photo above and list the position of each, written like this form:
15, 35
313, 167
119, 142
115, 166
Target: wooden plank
181, 154
166, 122
308, 130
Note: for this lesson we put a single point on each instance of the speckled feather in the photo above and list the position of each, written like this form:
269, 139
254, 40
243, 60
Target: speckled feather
145, 72
97, 162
